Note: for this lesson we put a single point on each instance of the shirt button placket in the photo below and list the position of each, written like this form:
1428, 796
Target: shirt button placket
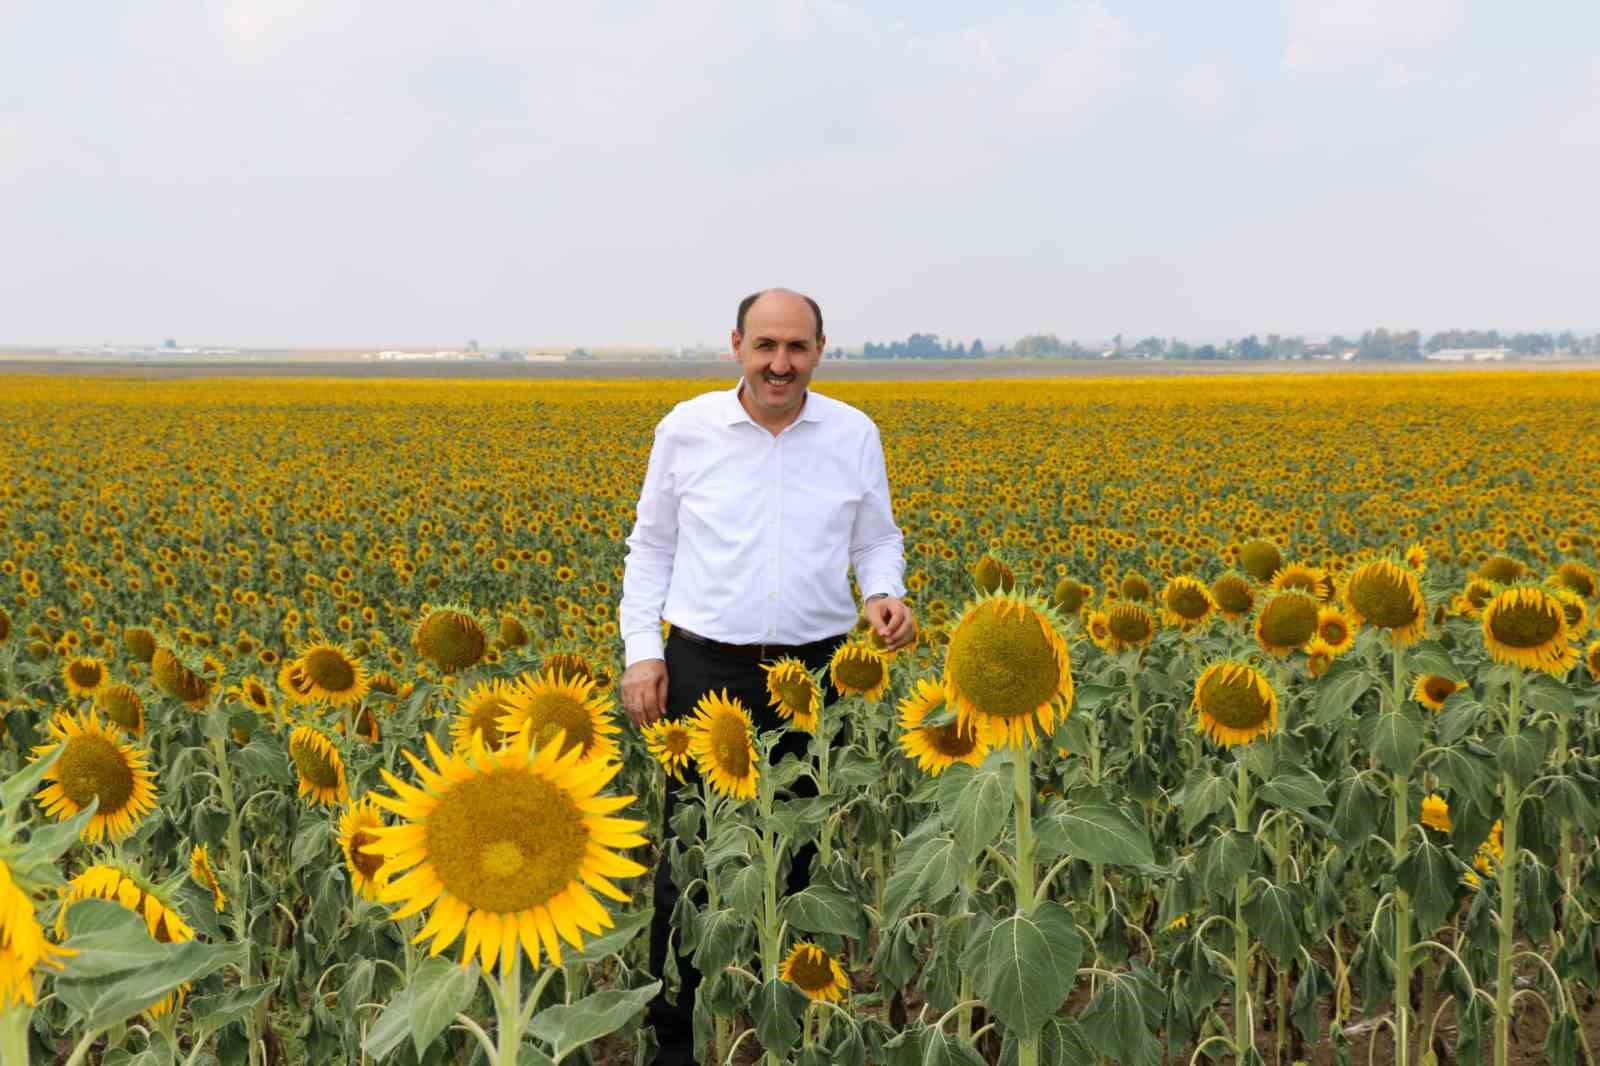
774, 510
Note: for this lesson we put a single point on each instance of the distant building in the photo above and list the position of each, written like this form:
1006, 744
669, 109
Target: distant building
1467, 355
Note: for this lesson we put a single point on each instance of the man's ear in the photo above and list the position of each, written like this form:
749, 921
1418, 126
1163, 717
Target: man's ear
735, 340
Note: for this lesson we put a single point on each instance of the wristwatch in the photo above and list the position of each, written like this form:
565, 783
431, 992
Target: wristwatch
875, 596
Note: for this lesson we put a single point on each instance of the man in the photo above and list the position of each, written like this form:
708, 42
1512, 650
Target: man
756, 502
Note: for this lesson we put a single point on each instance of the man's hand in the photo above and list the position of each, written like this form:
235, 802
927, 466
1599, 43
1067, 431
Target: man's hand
644, 690
891, 619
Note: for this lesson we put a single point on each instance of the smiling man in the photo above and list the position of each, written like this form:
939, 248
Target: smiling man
758, 502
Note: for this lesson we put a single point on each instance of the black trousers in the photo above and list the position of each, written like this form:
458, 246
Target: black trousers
692, 671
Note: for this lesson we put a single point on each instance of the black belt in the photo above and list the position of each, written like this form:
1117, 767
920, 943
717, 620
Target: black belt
755, 652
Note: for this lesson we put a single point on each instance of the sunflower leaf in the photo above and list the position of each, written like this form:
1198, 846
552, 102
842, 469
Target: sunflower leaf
1028, 966
776, 1009
120, 969
975, 802
1429, 657
440, 989
1394, 738
1274, 914
1459, 717
1296, 789
1094, 832
1429, 876
1519, 756
825, 909
22, 783
568, 1027
1466, 775
48, 842
218, 1011
1203, 795
930, 873
614, 940
1337, 691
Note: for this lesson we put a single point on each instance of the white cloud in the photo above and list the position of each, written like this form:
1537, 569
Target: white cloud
1202, 91
1325, 33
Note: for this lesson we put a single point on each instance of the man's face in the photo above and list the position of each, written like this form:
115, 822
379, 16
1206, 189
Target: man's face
778, 350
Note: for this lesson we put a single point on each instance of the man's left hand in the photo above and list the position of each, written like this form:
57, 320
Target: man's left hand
891, 619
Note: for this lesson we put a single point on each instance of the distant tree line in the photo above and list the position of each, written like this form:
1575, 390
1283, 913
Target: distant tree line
1379, 344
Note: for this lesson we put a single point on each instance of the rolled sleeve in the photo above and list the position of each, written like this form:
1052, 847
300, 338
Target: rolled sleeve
877, 549
647, 568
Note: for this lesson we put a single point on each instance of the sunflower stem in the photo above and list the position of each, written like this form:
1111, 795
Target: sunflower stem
969, 892
1022, 779
825, 845
1243, 1027
1402, 898
14, 1033
254, 1021
1508, 887
1282, 864
508, 1008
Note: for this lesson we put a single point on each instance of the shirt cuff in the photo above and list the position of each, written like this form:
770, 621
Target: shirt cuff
642, 646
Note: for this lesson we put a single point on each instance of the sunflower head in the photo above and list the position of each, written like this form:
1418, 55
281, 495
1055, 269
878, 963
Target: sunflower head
140, 643
1007, 673
1134, 587
512, 632
1234, 597
668, 743
177, 680
1576, 577
1591, 659
333, 674
1502, 570
508, 846
1474, 597
294, 684
1234, 703
122, 707
1385, 594
794, 692
989, 574
568, 664
1436, 813
857, 670
1096, 623
1306, 578
720, 741
816, 973
1186, 602
552, 708
1335, 629
1576, 608
1526, 626
1069, 597
1319, 656
202, 874
1286, 621
319, 766
479, 713
1260, 559
1431, 690
84, 676
22, 942
123, 885
96, 765
936, 748
358, 826
450, 639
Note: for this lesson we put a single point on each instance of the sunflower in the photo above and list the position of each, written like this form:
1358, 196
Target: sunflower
1134, 587
1502, 570
1096, 623
358, 826
814, 972
1069, 596
332, 674
480, 711
1591, 659
719, 740
254, 695
513, 634
294, 684
1306, 578
5, 633
1492, 852
122, 707
140, 642
1007, 673
204, 876
1319, 656
1385, 594
1260, 559
84, 676
1129, 627
1186, 602
857, 670
175, 679
990, 574
549, 706
1576, 610
122, 886
318, 765
508, 845
1576, 577
936, 748
1472, 599
1526, 626
668, 742
1335, 629
22, 943
1234, 703
1436, 813
567, 664
794, 692
1234, 597
450, 639
95, 765
1431, 690
1286, 621
1416, 557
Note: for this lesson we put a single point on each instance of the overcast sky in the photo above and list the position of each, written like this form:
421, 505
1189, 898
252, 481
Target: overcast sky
344, 173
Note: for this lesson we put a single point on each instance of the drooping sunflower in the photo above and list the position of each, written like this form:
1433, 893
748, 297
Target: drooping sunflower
175, 679
1431, 690
1186, 603
203, 875
1385, 594
1134, 586
1591, 659
22, 943
333, 674
1286, 621
1526, 626
1260, 558
1576, 577
548, 706
1577, 611
668, 742
123, 886
1502, 570
936, 748
450, 639
319, 766
1474, 597
990, 574
720, 741
1097, 624
1306, 578
1436, 812
857, 670
294, 684
1129, 627
1336, 630
794, 692
816, 973
513, 634
122, 707
1234, 597
1234, 703
1007, 672
1492, 852
254, 695
84, 676
1319, 656
567, 664
506, 845
140, 642
358, 826
96, 765
1069, 596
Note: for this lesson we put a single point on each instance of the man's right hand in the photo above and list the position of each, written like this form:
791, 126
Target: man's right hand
644, 691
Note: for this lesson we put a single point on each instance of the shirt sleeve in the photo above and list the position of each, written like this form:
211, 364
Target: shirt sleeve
647, 568
876, 546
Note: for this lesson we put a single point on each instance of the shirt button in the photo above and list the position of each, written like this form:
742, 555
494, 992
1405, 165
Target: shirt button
772, 595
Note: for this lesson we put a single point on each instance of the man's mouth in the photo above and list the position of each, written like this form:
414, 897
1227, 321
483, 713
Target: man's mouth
777, 382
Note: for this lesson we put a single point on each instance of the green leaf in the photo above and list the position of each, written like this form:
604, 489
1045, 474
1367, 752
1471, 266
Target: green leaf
1224, 860
108, 939
1467, 775
614, 939
568, 1027
1520, 756
1356, 810
1543, 692
1295, 789
49, 841
746, 888
223, 1009
1337, 691
1274, 915
311, 842
1459, 717
1429, 657
1094, 832
1114, 1022
719, 935
824, 909
1568, 800
1394, 738
1203, 794
976, 803
391, 1028
929, 874
1030, 964
105, 935
1538, 890
776, 1009
1429, 876
20, 785
440, 989
946, 1049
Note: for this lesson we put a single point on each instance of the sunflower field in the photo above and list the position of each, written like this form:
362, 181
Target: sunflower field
1250, 720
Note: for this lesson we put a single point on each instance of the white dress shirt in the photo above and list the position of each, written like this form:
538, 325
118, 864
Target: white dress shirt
747, 537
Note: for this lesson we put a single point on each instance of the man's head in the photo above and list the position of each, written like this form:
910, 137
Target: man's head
778, 340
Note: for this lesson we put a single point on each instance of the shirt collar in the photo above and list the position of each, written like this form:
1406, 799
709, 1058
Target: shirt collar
809, 412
